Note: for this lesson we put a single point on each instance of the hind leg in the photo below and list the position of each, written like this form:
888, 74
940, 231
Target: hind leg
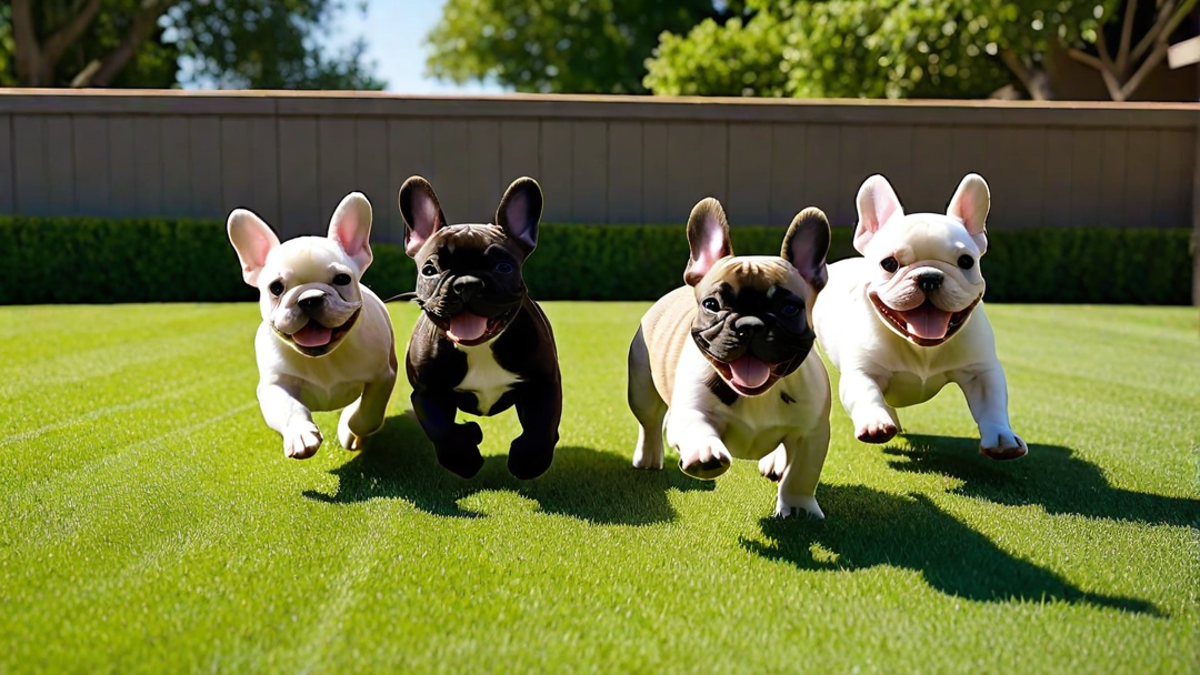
647, 406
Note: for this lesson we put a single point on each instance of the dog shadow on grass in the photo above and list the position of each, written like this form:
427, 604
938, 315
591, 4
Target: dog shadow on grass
601, 487
1050, 475
867, 528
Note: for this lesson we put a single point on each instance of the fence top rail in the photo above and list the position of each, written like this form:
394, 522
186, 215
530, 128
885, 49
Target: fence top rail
613, 108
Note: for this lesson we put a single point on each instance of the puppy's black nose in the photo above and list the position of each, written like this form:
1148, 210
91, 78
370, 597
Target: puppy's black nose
929, 281
467, 287
311, 301
749, 326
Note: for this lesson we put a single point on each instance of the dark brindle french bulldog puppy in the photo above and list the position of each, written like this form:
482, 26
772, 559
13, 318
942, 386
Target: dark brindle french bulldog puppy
481, 344
728, 360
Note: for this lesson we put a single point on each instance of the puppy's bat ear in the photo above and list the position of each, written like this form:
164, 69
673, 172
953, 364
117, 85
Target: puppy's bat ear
351, 227
877, 204
520, 212
253, 240
806, 245
970, 204
708, 239
421, 212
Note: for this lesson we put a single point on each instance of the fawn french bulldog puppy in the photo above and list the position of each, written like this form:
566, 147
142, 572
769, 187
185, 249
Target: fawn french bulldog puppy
481, 344
907, 318
728, 361
326, 340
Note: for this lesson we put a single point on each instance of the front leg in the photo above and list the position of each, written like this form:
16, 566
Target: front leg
457, 445
365, 415
283, 412
697, 439
539, 407
987, 396
805, 459
862, 396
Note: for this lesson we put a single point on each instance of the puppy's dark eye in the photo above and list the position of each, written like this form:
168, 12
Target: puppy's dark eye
341, 279
965, 261
429, 270
504, 268
889, 264
276, 288
711, 305
789, 310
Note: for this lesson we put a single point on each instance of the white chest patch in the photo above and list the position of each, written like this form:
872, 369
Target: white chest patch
485, 378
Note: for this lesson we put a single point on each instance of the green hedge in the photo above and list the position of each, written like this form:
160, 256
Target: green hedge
85, 260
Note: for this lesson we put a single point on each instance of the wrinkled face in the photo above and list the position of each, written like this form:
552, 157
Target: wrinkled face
754, 321
926, 278
469, 281
309, 294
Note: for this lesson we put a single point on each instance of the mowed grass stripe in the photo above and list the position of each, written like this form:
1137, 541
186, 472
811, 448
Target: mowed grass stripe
208, 550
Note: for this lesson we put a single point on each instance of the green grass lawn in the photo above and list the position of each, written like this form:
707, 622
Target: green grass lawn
149, 521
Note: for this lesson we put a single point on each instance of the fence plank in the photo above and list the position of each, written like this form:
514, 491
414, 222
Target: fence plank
372, 179
1172, 178
823, 179
484, 180
265, 167
451, 169
30, 179
1086, 159
751, 175
122, 167
1141, 167
1056, 202
589, 170
1016, 174
60, 164
655, 176
7, 166
336, 166
410, 153
237, 167
520, 151
557, 146
148, 167
696, 165
299, 179
91, 170
1112, 179
624, 173
931, 182
176, 166
205, 135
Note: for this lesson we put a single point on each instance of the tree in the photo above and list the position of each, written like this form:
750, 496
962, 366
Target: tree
899, 48
140, 43
578, 46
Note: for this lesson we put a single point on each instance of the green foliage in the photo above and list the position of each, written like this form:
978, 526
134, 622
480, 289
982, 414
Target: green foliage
869, 48
85, 260
261, 44
570, 46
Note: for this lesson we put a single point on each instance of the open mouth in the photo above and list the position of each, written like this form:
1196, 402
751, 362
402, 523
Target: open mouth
317, 339
469, 330
747, 375
926, 325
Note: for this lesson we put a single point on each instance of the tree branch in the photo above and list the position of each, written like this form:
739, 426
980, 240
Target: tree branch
1126, 37
1102, 49
28, 53
1034, 83
67, 35
1085, 58
1160, 22
1152, 62
111, 65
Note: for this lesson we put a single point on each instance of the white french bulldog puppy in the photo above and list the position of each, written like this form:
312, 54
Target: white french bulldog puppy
326, 340
907, 318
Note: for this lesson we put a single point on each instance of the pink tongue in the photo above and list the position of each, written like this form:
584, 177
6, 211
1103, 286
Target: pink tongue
467, 327
749, 372
927, 322
312, 335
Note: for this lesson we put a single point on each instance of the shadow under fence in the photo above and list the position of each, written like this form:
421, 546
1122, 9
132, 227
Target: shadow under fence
584, 483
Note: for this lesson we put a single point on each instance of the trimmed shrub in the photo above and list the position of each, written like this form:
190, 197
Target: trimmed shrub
91, 260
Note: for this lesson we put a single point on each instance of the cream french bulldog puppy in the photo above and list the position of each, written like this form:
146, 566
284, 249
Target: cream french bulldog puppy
907, 318
731, 353
326, 340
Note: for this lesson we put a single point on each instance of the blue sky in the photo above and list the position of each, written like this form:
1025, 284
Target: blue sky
395, 31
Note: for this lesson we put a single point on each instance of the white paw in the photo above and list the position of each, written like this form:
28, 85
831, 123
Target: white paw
1001, 443
645, 459
875, 427
349, 440
798, 506
704, 458
772, 466
301, 440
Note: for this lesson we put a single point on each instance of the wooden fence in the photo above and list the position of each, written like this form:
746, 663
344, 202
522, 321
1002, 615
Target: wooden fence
291, 156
